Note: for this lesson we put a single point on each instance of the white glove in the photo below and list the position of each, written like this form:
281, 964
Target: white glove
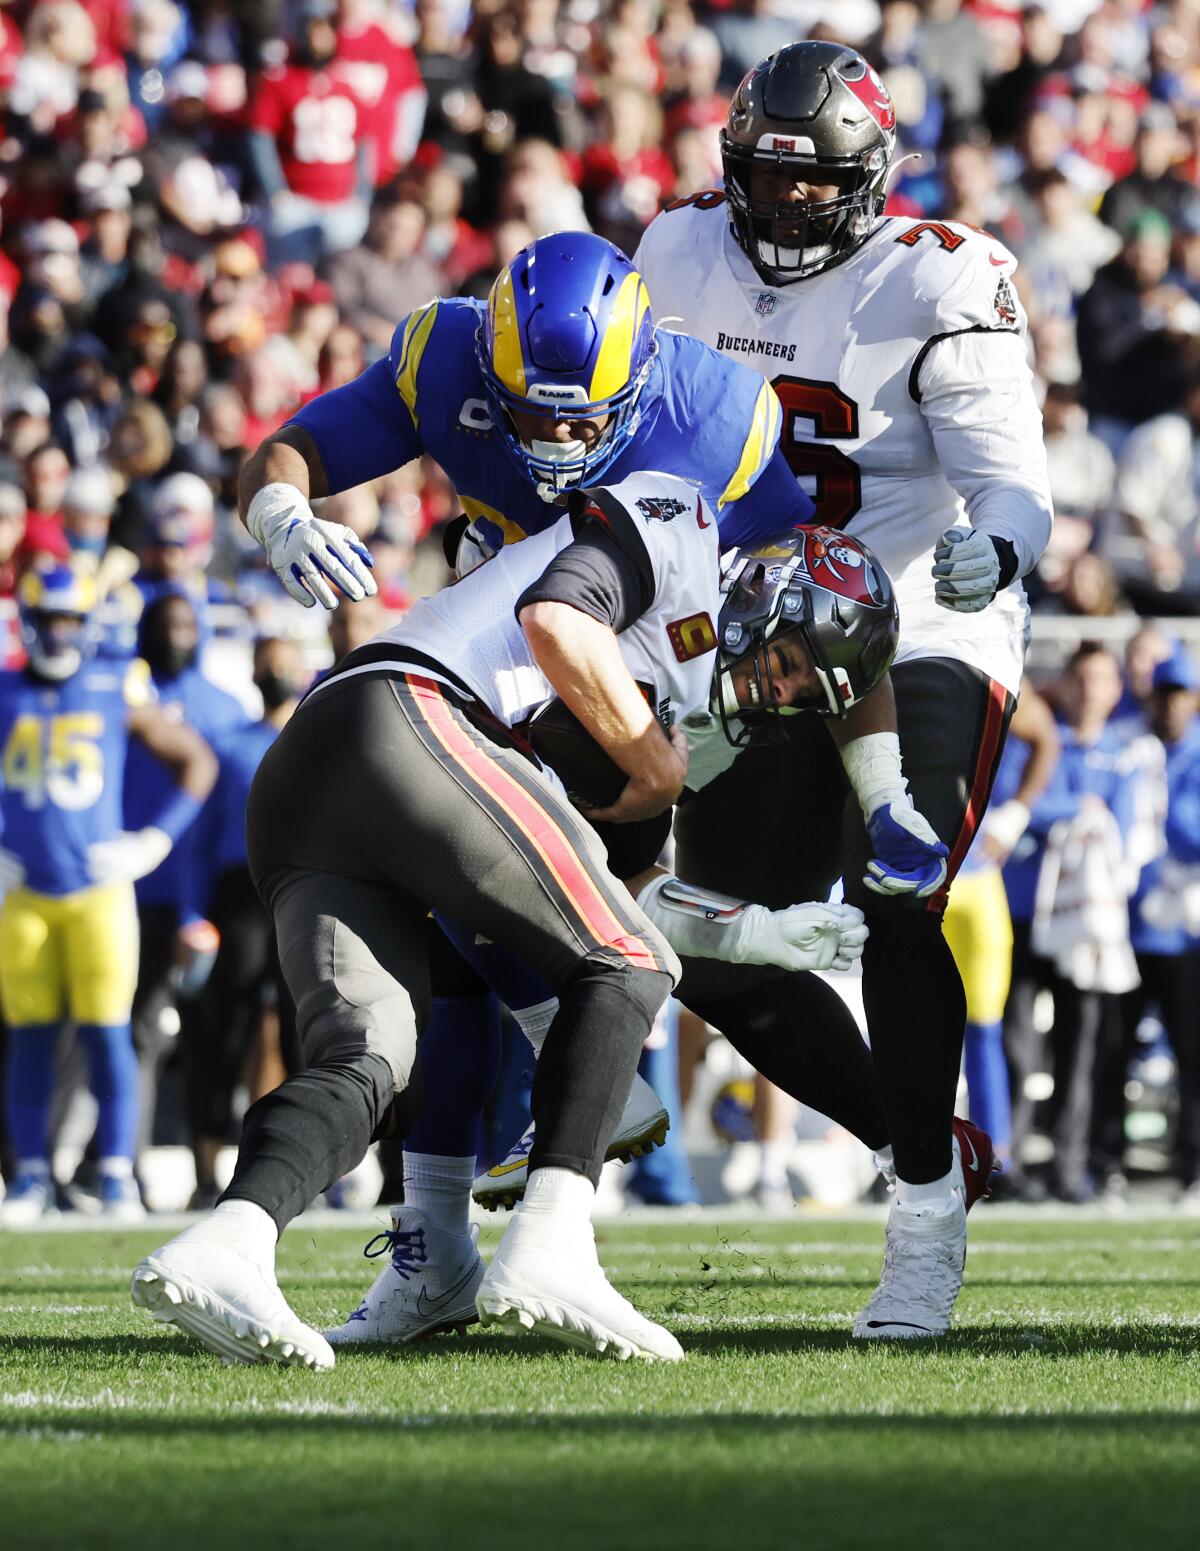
473, 550
800, 937
310, 557
966, 570
128, 856
12, 871
704, 925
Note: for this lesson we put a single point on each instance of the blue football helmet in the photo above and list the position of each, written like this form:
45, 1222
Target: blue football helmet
57, 608
568, 334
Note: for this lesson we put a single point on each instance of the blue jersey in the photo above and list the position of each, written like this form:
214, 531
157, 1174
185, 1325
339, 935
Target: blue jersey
193, 699
217, 840
63, 765
702, 417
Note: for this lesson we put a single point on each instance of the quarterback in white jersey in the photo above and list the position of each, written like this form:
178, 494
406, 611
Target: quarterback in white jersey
897, 350
669, 537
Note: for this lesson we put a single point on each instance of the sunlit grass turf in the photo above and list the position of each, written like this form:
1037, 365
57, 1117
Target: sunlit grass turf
1064, 1412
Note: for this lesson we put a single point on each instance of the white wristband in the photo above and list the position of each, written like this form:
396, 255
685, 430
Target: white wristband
873, 766
1007, 823
278, 500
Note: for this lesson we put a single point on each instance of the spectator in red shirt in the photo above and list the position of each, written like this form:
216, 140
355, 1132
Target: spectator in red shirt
383, 74
308, 148
626, 172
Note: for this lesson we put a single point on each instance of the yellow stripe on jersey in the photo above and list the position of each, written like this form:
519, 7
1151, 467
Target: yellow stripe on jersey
630, 306
508, 361
513, 532
758, 446
412, 347
139, 687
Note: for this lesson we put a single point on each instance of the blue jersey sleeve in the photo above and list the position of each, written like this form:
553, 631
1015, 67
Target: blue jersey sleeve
731, 420
371, 425
773, 504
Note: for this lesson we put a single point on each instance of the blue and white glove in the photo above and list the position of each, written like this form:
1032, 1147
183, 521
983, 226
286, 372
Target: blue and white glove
968, 570
131, 855
12, 870
908, 856
310, 557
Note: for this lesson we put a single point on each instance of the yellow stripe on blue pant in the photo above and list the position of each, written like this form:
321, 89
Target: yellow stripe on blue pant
69, 955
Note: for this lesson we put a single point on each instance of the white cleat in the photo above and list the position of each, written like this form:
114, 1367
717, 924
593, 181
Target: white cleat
208, 1286
643, 1126
29, 1199
426, 1289
559, 1290
923, 1261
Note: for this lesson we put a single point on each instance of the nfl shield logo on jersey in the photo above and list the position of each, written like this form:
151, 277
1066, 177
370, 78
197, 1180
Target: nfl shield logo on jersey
766, 303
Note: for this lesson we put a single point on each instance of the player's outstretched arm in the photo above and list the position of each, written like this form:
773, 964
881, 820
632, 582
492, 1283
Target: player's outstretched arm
703, 925
134, 853
318, 562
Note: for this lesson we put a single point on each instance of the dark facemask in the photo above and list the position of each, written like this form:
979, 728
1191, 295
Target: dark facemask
166, 660
277, 689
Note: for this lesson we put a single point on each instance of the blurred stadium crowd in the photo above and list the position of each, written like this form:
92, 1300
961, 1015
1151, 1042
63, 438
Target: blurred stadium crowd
214, 210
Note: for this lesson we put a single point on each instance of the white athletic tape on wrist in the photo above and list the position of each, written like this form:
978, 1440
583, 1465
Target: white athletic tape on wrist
872, 764
1006, 823
274, 501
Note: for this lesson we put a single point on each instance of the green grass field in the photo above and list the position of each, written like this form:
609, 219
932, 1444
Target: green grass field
1064, 1412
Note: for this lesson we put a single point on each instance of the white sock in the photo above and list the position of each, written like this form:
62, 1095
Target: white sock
772, 1162
439, 1187
246, 1225
558, 1202
535, 1021
937, 1195
117, 1168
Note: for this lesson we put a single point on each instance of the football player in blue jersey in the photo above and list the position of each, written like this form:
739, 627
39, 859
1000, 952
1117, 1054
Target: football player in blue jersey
559, 380
68, 923
170, 633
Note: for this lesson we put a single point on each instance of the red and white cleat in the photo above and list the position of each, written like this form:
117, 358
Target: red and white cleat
974, 1162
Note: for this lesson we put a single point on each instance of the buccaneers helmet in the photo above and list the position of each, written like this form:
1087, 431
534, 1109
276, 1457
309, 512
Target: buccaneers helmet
833, 592
813, 113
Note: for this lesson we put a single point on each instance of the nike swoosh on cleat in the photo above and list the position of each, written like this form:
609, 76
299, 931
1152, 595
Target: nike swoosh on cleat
507, 1168
428, 1306
974, 1155
896, 1324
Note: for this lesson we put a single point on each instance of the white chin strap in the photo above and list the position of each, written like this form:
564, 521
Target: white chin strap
556, 454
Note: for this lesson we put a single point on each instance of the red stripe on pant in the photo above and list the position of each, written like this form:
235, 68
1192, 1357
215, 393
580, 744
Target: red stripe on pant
985, 770
554, 848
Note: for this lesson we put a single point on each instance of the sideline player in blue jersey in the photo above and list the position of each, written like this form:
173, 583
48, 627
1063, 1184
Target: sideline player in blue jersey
170, 635
68, 924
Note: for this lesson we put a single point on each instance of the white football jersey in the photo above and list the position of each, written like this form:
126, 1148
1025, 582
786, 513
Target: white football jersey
471, 627
907, 396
